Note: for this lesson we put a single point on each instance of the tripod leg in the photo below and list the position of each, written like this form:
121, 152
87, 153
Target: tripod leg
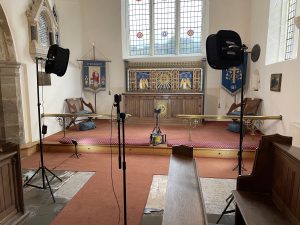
243, 167
53, 174
36, 172
49, 187
225, 209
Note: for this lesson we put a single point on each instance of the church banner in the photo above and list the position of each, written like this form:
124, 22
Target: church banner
94, 75
232, 77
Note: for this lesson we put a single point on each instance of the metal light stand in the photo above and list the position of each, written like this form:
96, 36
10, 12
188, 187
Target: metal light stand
42, 167
122, 163
230, 198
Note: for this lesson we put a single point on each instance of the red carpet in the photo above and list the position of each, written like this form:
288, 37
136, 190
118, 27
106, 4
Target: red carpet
94, 204
206, 135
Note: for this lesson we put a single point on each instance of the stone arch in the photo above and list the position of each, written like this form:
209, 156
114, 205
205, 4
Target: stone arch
11, 122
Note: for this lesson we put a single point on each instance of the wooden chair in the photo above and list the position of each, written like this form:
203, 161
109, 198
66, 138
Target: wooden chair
251, 106
76, 105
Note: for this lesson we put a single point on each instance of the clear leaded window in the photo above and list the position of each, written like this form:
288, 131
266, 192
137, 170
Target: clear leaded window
164, 27
282, 42
43, 31
290, 28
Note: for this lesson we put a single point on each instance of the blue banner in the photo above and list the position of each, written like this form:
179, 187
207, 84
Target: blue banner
232, 77
94, 75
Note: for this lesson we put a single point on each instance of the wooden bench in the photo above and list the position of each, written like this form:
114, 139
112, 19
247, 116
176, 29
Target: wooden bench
271, 194
184, 203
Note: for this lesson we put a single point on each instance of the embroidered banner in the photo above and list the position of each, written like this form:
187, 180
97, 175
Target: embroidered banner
94, 75
232, 77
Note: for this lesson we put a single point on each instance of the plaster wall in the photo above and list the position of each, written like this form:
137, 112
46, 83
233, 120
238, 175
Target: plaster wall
225, 15
283, 103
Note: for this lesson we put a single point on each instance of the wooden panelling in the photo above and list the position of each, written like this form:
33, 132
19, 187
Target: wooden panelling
7, 192
11, 190
271, 194
147, 109
141, 106
287, 182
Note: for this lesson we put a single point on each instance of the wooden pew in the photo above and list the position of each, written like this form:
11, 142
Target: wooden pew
184, 204
271, 194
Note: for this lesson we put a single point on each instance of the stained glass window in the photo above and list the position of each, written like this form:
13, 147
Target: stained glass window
164, 27
139, 27
190, 26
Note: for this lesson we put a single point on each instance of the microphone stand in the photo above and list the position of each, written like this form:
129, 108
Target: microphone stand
122, 162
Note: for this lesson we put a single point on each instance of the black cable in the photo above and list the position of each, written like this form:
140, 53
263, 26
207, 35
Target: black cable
111, 167
60, 163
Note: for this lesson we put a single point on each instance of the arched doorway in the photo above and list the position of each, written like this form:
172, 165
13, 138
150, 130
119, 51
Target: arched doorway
11, 122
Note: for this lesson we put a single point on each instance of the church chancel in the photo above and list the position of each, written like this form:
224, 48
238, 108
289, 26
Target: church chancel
175, 88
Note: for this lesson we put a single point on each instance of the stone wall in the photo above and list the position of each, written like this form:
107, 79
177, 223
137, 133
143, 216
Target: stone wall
11, 123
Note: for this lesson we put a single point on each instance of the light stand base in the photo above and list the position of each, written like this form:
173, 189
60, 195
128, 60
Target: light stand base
229, 200
77, 155
237, 166
43, 169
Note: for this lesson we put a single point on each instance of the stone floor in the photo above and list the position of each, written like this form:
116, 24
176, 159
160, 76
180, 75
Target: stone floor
39, 202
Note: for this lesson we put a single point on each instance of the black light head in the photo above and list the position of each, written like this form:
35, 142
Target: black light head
57, 60
224, 49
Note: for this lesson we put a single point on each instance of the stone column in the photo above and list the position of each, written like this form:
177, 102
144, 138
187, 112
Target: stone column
11, 118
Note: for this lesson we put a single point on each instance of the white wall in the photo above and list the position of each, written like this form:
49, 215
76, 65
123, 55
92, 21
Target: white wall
67, 86
283, 103
225, 15
102, 26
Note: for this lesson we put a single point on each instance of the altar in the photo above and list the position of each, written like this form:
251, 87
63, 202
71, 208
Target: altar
174, 88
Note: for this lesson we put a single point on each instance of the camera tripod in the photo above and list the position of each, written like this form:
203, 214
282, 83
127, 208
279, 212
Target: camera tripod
157, 137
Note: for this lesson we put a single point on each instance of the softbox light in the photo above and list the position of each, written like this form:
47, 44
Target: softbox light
224, 49
57, 60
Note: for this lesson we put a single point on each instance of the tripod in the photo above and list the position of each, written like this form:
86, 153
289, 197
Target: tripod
122, 162
157, 137
75, 143
42, 167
